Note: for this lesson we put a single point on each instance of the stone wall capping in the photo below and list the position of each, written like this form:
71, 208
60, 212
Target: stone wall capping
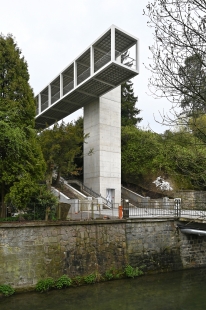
82, 222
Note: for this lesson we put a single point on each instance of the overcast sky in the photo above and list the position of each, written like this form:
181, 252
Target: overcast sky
52, 33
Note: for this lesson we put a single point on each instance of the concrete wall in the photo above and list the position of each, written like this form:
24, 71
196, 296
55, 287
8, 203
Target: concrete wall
30, 252
102, 120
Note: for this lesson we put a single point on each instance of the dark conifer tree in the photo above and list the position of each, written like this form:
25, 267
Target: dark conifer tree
21, 160
128, 100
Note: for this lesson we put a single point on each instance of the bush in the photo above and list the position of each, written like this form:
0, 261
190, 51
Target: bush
63, 281
77, 280
6, 290
113, 274
45, 285
131, 272
9, 219
92, 278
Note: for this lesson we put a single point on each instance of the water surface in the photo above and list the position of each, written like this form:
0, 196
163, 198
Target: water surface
171, 291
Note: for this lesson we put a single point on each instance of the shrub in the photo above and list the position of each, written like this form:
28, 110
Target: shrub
63, 281
77, 280
45, 285
6, 290
109, 275
131, 272
92, 278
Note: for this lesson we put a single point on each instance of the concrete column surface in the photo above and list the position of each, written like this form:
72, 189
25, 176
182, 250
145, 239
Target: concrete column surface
102, 121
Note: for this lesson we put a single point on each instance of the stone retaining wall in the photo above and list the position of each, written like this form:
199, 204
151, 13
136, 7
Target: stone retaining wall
30, 251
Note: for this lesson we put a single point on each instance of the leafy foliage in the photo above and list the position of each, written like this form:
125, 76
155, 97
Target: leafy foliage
193, 77
6, 290
60, 145
45, 285
92, 278
132, 272
21, 161
113, 273
128, 101
41, 203
129, 111
180, 155
63, 281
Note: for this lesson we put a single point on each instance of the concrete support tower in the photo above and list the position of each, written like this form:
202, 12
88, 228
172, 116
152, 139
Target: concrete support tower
93, 81
102, 169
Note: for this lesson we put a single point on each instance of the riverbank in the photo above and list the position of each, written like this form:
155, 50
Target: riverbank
33, 251
172, 290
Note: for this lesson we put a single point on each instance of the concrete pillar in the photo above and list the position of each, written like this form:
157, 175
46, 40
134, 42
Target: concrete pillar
102, 169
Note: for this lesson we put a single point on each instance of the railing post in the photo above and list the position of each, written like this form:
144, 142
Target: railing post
177, 207
137, 55
61, 85
91, 60
75, 74
125, 208
49, 95
112, 43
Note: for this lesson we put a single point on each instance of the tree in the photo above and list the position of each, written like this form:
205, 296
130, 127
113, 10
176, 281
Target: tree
179, 43
193, 78
179, 69
139, 150
21, 161
177, 156
60, 145
128, 100
198, 127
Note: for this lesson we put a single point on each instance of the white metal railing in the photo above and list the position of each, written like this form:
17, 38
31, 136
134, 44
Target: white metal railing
44, 105
68, 87
55, 97
102, 61
128, 61
83, 76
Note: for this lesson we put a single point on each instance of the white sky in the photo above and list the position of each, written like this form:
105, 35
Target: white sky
52, 33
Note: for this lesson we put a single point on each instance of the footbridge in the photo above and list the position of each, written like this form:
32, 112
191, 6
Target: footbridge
96, 71
92, 81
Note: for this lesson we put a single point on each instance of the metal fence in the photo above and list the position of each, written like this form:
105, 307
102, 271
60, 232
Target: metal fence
152, 209
95, 209
165, 208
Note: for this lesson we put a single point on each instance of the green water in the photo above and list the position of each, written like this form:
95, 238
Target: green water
172, 291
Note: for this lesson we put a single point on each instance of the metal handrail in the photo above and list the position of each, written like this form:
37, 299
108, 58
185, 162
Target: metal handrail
55, 97
102, 61
96, 195
44, 105
83, 76
68, 87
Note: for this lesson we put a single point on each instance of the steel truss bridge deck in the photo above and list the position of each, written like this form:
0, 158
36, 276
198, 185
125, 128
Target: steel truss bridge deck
99, 69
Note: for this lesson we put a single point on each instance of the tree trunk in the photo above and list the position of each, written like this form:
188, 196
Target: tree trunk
49, 181
3, 206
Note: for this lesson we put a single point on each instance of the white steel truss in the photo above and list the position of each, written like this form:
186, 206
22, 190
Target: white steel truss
96, 71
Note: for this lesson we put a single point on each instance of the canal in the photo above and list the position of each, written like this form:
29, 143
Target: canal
182, 290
